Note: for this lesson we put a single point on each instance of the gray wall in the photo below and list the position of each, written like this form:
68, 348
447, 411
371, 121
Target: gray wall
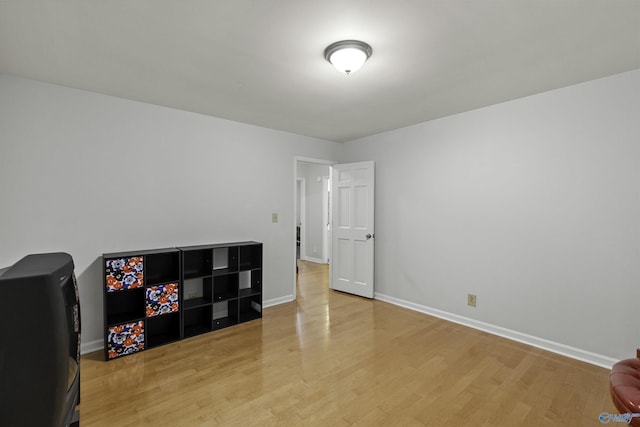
88, 174
533, 205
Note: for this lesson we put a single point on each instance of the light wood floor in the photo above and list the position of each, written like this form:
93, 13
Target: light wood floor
332, 359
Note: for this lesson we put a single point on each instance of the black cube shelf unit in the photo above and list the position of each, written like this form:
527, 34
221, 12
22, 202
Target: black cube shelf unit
158, 296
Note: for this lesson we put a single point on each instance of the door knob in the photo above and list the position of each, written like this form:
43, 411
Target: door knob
368, 236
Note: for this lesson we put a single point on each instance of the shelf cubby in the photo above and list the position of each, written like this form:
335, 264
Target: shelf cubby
197, 292
250, 257
197, 321
225, 314
125, 338
225, 260
123, 273
225, 287
162, 267
250, 308
197, 263
162, 329
125, 306
250, 282
162, 299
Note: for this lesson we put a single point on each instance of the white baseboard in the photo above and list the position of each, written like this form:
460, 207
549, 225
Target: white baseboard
316, 260
554, 347
277, 301
91, 346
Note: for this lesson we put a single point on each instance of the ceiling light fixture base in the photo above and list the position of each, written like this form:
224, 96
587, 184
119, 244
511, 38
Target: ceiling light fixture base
348, 55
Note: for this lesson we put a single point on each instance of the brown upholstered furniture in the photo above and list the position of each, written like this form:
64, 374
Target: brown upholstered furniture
624, 384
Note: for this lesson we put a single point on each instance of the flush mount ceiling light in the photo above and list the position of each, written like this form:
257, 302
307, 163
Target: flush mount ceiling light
347, 55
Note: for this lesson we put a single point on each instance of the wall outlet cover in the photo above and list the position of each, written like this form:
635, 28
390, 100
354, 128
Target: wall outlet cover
471, 300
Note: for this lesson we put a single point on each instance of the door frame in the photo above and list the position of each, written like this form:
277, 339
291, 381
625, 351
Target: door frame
300, 203
296, 160
326, 218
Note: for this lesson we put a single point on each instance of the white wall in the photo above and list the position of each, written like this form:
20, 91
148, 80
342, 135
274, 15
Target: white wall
314, 195
533, 205
89, 174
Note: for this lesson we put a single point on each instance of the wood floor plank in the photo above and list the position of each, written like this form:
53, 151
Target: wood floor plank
331, 358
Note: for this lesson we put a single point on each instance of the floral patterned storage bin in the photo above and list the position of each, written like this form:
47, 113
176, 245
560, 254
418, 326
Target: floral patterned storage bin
124, 273
125, 339
162, 299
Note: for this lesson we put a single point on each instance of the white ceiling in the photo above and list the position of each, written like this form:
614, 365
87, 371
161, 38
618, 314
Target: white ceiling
261, 61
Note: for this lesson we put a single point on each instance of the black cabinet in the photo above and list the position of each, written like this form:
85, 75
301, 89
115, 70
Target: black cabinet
141, 300
216, 282
155, 297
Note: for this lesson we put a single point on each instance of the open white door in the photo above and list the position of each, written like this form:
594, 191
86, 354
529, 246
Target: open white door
352, 197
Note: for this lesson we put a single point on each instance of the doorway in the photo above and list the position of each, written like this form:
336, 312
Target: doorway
350, 255
312, 216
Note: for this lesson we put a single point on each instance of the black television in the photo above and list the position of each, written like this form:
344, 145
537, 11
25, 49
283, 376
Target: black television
40, 342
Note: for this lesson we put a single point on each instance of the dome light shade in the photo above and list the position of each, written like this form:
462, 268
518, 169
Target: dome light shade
347, 55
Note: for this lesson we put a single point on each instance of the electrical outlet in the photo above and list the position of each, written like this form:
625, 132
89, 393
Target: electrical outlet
471, 300
274, 217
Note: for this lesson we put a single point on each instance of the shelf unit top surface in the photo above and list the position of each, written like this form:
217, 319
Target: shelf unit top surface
217, 245
140, 253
